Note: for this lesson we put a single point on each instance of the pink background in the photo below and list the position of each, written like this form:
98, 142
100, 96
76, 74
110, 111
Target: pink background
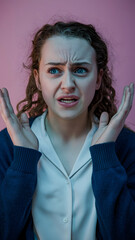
20, 19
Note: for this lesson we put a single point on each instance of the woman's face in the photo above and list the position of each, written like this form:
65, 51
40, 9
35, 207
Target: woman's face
67, 76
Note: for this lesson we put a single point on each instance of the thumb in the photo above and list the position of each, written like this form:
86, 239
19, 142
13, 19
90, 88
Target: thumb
24, 120
104, 118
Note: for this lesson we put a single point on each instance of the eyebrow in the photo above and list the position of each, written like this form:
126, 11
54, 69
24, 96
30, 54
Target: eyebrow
63, 64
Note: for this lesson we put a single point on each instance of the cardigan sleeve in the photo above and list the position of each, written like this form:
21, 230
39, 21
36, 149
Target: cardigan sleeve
113, 182
18, 169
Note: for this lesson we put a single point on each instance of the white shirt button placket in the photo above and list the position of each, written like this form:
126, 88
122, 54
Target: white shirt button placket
67, 220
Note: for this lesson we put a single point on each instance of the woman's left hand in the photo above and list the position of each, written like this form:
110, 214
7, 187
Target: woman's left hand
108, 132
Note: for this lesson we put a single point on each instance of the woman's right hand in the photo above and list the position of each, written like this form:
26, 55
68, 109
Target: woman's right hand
19, 130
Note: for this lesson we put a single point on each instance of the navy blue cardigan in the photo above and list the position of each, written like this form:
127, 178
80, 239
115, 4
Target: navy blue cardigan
113, 182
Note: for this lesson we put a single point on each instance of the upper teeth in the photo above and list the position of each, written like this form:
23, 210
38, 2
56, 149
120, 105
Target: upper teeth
67, 100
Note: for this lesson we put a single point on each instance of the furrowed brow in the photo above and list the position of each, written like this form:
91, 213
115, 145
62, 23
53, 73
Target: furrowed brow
81, 63
63, 64
55, 63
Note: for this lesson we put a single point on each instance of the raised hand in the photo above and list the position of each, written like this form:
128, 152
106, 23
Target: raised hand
108, 132
19, 130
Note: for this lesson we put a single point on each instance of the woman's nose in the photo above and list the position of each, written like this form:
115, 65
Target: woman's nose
68, 82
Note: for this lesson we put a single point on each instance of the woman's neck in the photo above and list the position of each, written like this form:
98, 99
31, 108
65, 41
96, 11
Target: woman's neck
68, 129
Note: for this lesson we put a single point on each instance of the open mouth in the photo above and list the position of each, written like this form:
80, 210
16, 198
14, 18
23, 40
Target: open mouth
67, 100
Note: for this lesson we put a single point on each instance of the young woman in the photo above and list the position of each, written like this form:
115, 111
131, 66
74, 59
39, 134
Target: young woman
67, 171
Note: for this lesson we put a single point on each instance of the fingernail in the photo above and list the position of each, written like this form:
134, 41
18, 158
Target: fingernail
132, 87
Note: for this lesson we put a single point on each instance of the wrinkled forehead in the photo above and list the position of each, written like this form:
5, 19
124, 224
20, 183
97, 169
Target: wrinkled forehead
67, 49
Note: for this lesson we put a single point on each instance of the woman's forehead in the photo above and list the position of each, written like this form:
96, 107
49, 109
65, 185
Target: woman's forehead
67, 49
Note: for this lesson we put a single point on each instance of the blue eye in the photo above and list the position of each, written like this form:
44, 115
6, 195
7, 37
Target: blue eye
80, 70
54, 71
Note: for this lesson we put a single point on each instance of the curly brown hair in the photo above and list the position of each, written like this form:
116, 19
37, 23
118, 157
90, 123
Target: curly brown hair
104, 99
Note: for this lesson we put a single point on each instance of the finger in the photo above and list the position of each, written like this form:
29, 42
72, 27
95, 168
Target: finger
7, 114
24, 120
123, 100
127, 105
3, 107
132, 93
129, 94
7, 99
104, 118
126, 98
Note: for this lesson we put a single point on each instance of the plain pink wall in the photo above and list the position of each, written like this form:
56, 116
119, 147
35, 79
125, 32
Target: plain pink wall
20, 19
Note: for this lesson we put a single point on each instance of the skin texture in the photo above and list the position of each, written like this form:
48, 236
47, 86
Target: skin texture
67, 79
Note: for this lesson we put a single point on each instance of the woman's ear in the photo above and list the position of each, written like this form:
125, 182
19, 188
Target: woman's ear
36, 76
99, 79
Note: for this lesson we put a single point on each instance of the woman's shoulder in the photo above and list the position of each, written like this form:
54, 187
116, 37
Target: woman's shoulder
127, 134
125, 145
6, 151
126, 138
4, 137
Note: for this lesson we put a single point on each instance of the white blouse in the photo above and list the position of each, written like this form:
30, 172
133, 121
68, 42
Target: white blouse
63, 207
